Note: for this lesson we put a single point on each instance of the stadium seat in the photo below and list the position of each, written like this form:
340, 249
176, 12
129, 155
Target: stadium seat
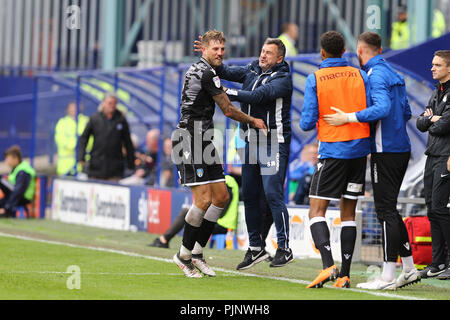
23, 212
220, 241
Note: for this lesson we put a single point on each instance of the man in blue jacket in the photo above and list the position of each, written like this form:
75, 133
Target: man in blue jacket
266, 93
391, 151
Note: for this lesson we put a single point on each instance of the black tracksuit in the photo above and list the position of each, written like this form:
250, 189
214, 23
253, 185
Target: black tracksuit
436, 177
107, 160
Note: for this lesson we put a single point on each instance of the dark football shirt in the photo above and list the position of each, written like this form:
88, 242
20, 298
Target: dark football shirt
201, 84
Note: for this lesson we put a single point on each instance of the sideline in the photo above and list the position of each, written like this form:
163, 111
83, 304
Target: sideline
133, 254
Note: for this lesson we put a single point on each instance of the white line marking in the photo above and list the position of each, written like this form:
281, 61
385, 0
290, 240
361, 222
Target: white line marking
133, 254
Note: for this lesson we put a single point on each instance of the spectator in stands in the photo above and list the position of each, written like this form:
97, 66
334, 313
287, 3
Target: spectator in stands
301, 171
130, 172
110, 131
167, 165
289, 37
400, 30
401, 33
19, 188
438, 26
436, 121
390, 154
146, 161
227, 221
66, 137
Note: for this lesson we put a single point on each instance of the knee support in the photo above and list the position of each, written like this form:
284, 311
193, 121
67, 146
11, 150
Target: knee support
194, 217
213, 213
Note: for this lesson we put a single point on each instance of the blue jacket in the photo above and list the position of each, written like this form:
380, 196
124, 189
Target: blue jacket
310, 115
390, 110
264, 95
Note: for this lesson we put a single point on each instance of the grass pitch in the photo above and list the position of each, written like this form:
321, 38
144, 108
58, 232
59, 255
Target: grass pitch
42, 259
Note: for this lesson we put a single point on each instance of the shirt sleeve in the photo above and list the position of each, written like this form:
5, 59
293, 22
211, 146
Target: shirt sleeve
211, 83
233, 73
379, 103
310, 110
442, 126
423, 123
277, 88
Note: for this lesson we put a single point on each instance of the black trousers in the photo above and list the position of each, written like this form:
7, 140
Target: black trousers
437, 193
387, 172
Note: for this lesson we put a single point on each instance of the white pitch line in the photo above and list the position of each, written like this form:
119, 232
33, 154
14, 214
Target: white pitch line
133, 254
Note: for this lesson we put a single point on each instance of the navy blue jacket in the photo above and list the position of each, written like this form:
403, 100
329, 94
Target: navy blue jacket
264, 95
16, 197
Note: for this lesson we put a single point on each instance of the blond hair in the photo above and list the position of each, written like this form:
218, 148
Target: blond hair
213, 35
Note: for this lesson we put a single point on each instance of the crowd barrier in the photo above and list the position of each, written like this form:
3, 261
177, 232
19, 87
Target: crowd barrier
152, 210
118, 207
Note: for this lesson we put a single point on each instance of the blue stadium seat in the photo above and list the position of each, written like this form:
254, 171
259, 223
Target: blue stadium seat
219, 240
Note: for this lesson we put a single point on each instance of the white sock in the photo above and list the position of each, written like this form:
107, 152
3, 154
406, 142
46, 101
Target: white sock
255, 248
388, 273
408, 264
197, 249
185, 253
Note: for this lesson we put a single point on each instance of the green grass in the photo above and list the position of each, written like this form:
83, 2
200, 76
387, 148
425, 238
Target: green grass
36, 269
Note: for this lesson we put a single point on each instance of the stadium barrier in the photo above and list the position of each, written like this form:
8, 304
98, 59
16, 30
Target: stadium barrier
300, 239
152, 210
114, 206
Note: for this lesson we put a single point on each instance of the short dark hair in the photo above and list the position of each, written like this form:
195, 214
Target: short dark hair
14, 151
279, 44
333, 43
444, 54
372, 39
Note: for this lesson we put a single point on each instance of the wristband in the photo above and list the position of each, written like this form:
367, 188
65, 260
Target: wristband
231, 92
351, 117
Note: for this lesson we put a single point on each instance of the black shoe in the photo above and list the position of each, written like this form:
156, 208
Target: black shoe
251, 258
444, 275
432, 271
157, 243
282, 257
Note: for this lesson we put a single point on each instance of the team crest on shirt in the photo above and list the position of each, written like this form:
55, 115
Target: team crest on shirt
200, 172
217, 81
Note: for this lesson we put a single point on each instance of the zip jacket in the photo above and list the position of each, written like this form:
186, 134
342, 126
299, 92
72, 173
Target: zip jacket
264, 95
439, 132
390, 110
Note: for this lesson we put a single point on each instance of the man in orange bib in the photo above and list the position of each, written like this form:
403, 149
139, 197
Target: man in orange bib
343, 150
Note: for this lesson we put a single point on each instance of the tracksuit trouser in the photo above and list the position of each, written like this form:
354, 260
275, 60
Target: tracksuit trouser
437, 193
266, 176
387, 173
